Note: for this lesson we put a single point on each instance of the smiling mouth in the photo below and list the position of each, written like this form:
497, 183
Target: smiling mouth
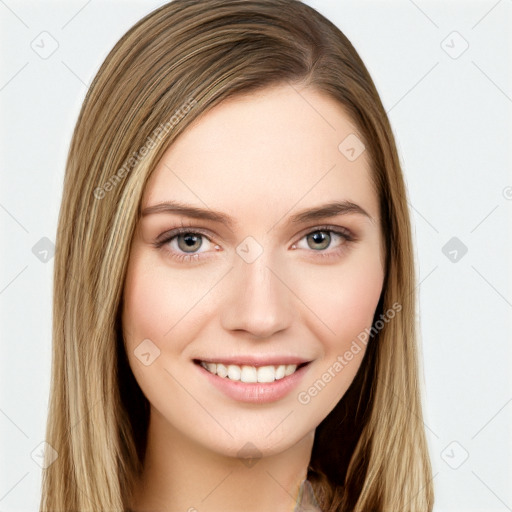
250, 374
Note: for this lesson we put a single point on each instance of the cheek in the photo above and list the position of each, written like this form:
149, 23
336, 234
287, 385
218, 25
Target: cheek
346, 308
158, 306
343, 298
143, 311
157, 302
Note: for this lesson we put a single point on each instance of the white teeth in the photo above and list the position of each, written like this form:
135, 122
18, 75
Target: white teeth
266, 374
222, 371
234, 372
250, 374
280, 371
290, 368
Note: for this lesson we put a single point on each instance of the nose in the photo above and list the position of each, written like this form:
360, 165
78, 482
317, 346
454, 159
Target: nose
258, 301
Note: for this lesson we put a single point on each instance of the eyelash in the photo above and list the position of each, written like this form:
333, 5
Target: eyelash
168, 236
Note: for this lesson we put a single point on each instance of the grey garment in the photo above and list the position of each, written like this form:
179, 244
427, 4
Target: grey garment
306, 501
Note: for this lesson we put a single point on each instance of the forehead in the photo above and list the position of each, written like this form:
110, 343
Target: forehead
264, 153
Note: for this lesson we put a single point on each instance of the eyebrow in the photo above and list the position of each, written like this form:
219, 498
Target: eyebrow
316, 213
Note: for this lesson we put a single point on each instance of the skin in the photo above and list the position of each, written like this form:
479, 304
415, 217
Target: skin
259, 159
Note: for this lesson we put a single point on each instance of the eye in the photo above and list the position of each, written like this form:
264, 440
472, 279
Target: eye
323, 237
184, 243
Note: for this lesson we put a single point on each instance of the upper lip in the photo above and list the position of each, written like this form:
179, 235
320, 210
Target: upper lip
253, 360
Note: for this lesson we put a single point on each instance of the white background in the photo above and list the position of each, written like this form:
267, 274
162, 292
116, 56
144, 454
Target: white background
451, 114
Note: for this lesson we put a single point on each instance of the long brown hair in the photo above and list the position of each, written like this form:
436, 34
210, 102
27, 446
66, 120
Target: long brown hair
370, 452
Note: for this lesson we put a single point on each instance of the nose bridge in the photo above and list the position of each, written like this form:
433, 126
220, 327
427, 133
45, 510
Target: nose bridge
259, 302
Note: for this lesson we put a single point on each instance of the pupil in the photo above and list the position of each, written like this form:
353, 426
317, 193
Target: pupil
320, 237
190, 240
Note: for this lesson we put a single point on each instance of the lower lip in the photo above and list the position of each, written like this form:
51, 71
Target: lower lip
255, 392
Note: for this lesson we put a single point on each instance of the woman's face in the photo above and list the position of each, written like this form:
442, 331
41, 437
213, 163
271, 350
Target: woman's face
254, 286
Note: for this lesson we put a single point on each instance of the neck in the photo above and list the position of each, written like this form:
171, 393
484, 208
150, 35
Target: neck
181, 475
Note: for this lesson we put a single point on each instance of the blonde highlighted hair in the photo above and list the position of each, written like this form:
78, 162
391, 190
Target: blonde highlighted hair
370, 453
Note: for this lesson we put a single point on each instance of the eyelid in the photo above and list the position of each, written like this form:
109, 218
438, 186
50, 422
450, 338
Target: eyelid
328, 227
171, 233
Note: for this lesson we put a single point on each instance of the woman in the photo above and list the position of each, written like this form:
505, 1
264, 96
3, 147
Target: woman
234, 316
